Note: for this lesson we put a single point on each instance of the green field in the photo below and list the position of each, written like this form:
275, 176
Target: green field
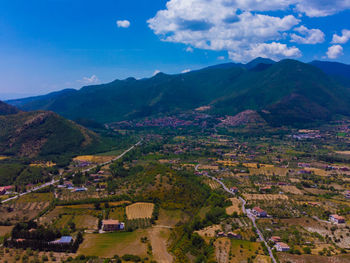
110, 244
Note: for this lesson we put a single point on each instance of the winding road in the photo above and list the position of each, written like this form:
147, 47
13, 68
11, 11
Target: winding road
86, 170
249, 215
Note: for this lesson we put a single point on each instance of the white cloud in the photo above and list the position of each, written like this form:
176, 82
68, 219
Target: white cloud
189, 49
308, 36
217, 24
320, 8
156, 72
89, 80
272, 50
239, 26
123, 23
343, 38
334, 51
221, 58
186, 71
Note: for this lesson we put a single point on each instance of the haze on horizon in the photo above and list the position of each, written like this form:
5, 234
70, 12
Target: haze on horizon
52, 45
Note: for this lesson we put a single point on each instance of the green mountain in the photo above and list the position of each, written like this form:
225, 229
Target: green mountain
43, 134
286, 92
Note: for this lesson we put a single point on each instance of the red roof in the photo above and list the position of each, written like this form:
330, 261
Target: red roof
258, 209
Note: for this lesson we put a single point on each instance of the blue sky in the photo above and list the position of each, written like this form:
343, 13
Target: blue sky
48, 45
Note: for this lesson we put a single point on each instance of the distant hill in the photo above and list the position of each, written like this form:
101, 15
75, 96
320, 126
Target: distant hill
288, 92
43, 133
333, 68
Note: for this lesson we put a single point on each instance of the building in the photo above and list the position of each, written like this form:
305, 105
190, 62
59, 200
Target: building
337, 219
282, 247
275, 239
63, 240
257, 211
112, 225
234, 235
2, 191
234, 189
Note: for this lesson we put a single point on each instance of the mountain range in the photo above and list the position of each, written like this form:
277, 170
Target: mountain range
288, 92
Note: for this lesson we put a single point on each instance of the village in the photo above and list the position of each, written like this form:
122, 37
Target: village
265, 201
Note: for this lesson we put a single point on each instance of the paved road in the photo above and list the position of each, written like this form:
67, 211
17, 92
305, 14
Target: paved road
250, 216
86, 170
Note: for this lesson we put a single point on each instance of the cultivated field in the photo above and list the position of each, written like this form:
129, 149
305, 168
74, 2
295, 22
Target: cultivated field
139, 210
235, 207
266, 197
110, 244
291, 189
212, 184
209, 231
93, 158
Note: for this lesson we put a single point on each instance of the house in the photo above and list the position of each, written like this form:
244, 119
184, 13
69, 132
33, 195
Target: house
275, 239
81, 189
63, 240
112, 225
234, 235
337, 219
234, 189
282, 247
68, 184
347, 194
265, 189
221, 234
257, 211
2, 191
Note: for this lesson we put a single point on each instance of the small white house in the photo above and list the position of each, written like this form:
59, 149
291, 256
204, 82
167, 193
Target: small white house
282, 247
337, 219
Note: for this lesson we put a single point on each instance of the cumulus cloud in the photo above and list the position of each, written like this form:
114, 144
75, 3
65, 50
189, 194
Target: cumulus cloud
335, 51
272, 50
320, 8
123, 23
341, 39
89, 80
308, 36
241, 26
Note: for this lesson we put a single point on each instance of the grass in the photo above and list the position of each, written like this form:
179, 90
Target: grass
35, 197
110, 244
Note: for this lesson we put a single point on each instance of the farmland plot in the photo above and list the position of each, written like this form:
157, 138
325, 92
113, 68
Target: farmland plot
139, 210
235, 207
266, 197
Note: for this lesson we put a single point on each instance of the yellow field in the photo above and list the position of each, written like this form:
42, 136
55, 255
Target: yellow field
343, 152
93, 158
269, 197
269, 171
139, 210
47, 164
235, 207
255, 165
317, 171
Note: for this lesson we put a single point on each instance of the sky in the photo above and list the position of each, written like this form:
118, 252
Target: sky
50, 45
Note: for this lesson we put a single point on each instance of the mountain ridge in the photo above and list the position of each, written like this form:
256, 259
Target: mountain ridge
228, 88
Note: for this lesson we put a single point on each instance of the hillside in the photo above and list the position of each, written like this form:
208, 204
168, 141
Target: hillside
43, 133
287, 92
6, 109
